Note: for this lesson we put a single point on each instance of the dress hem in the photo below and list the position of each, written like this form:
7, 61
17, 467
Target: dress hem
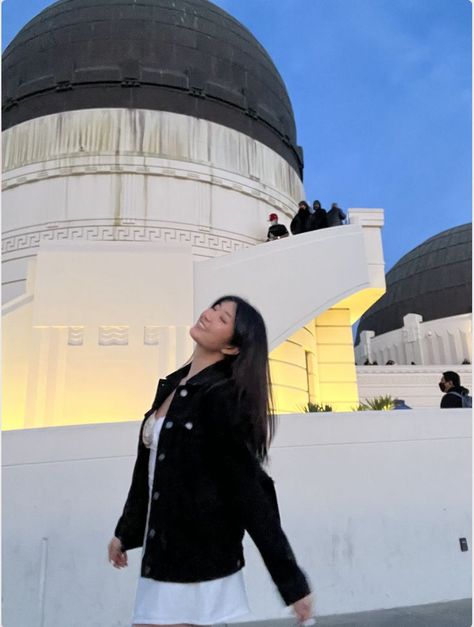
192, 621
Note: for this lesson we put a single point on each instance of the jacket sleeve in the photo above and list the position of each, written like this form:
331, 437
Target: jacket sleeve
130, 528
295, 225
253, 493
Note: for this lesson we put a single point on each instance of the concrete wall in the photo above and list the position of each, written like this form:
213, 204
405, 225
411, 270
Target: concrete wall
417, 385
373, 503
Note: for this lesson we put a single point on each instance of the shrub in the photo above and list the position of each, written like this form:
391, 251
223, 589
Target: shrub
379, 403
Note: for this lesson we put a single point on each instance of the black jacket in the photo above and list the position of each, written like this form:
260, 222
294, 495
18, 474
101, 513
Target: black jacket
335, 216
318, 220
275, 231
453, 400
301, 222
208, 489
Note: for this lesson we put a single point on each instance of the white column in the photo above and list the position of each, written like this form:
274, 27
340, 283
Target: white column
412, 338
366, 344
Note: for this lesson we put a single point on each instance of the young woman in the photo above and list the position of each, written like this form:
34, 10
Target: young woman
198, 482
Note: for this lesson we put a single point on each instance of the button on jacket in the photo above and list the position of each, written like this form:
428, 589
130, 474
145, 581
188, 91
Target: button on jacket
209, 487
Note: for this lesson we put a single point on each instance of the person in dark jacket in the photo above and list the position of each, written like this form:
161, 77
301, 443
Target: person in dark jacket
275, 230
319, 219
450, 384
198, 481
335, 215
301, 221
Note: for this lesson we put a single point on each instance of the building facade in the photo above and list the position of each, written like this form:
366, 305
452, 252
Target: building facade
141, 140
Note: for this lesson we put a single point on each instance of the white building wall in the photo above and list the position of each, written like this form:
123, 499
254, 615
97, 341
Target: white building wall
417, 385
443, 341
103, 320
373, 503
137, 175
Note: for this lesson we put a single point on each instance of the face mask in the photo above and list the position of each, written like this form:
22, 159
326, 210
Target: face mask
441, 387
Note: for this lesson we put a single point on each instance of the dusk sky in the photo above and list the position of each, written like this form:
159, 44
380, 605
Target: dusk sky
381, 91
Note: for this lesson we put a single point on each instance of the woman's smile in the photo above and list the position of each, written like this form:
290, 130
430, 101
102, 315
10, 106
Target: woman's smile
214, 328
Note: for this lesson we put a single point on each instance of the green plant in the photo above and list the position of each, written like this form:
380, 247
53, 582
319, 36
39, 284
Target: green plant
310, 407
379, 403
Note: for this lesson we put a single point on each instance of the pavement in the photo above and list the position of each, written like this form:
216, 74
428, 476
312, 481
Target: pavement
449, 614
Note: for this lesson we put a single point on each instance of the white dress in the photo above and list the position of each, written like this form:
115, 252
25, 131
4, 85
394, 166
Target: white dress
201, 603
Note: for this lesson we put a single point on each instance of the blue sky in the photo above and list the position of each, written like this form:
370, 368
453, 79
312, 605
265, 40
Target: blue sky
381, 91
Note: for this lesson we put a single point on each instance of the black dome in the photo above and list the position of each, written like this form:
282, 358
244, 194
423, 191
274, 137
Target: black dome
433, 280
184, 56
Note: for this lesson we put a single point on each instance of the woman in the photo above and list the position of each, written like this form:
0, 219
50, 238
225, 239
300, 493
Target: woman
209, 430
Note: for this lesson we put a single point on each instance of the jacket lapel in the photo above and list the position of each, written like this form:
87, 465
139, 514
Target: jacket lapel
210, 375
166, 386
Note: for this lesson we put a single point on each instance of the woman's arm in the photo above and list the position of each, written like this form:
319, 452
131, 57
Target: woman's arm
130, 528
252, 490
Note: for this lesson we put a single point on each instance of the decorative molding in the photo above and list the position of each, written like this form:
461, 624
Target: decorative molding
113, 335
102, 232
151, 335
75, 336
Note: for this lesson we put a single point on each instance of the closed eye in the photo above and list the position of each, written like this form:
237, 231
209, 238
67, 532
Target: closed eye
224, 312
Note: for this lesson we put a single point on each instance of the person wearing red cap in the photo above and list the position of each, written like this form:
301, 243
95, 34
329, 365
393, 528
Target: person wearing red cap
275, 230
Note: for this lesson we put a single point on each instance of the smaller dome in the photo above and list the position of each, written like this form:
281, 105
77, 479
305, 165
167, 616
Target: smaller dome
433, 280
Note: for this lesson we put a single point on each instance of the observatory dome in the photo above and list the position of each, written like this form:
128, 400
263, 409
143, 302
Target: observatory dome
433, 280
183, 56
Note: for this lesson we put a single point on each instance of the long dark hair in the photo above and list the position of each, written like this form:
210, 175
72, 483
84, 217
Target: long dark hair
251, 372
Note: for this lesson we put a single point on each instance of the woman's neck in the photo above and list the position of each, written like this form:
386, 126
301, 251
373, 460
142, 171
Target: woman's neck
201, 360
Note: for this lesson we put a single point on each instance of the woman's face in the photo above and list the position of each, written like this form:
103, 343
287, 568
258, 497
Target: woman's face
214, 328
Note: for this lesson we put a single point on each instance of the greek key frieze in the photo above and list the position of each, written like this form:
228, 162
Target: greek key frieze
202, 239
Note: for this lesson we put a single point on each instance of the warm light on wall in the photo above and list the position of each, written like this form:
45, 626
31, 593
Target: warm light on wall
65, 375
359, 303
54, 384
324, 344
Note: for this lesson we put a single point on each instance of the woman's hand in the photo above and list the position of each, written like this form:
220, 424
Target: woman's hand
304, 608
117, 557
